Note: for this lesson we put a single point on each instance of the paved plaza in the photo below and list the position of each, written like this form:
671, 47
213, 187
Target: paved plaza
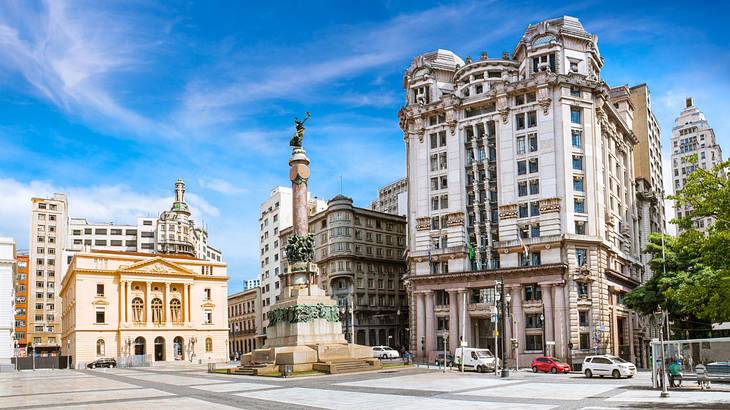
194, 388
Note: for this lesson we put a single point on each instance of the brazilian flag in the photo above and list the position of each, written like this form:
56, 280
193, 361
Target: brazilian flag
471, 251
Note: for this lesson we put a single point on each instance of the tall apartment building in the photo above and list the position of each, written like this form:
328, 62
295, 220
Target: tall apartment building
276, 215
359, 253
7, 302
521, 171
21, 300
173, 232
692, 136
647, 169
48, 233
392, 198
251, 283
244, 321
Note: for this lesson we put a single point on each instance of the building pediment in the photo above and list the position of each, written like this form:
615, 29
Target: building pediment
157, 265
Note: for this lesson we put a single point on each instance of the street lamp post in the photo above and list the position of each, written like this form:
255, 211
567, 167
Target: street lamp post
505, 301
542, 323
68, 353
665, 381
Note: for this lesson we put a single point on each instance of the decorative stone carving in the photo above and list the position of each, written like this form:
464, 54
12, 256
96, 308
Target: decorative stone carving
544, 100
455, 219
300, 248
550, 205
304, 314
508, 211
423, 224
503, 108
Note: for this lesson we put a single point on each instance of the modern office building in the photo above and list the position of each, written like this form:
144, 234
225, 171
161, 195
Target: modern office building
244, 321
21, 302
692, 136
251, 283
7, 302
275, 216
143, 307
392, 198
521, 173
359, 253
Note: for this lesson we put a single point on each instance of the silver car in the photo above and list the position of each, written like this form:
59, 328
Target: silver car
385, 352
607, 365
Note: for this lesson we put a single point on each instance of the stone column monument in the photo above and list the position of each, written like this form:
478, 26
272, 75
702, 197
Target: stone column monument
304, 325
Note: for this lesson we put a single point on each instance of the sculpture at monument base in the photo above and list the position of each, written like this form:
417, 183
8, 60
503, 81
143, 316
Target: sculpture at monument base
304, 332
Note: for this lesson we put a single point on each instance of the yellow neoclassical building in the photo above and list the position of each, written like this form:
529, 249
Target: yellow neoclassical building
139, 307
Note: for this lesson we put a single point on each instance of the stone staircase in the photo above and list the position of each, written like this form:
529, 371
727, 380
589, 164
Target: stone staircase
348, 366
254, 369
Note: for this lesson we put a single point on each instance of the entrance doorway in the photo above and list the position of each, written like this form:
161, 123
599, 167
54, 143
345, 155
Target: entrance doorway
177, 348
159, 349
139, 348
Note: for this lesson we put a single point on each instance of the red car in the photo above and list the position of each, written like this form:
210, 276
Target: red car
549, 364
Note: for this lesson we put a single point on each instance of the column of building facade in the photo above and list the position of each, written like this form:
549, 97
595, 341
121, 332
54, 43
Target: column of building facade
453, 320
547, 296
632, 355
420, 323
475, 191
186, 303
561, 326
518, 318
430, 323
148, 303
166, 304
614, 324
127, 301
466, 324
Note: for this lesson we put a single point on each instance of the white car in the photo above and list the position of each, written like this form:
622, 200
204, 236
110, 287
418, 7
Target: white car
606, 365
385, 352
481, 360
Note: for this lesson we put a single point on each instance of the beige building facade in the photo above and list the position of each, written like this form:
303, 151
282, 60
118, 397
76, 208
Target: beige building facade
144, 308
244, 321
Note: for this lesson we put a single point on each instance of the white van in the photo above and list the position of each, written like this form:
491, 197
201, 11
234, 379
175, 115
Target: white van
481, 360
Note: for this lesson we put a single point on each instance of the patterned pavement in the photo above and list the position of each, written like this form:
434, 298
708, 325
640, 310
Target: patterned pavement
193, 388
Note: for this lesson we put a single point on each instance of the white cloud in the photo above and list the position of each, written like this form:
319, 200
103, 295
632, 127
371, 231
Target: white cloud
103, 203
220, 185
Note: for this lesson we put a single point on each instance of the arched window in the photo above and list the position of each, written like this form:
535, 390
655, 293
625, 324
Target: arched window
156, 310
208, 344
175, 310
137, 310
100, 349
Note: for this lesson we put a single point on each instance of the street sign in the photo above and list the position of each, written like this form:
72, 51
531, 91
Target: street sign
550, 343
463, 344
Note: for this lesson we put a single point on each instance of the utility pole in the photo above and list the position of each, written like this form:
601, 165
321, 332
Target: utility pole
502, 300
665, 379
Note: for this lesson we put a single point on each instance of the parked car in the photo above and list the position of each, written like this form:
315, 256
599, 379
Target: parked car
549, 364
607, 365
481, 360
102, 363
440, 360
385, 352
718, 368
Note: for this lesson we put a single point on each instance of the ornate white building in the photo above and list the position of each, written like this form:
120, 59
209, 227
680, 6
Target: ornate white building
692, 136
521, 170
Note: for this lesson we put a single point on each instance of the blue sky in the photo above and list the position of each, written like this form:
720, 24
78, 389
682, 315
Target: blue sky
111, 102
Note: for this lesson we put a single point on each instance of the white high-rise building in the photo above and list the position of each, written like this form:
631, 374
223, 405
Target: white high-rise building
276, 215
7, 302
521, 173
392, 198
251, 283
692, 136
48, 234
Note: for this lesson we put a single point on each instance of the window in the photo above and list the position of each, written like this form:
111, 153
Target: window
578, 162
206, 292
578, 183
575, 115
577, 138
520, 145
534, 186
533, 321
208, 344
522, 188
535, 230
585, 341
533, 342
100, 348
534, 208
208, 316
583, 318
532, 140
156, 311
574, 92
521, 167
581, 256
100, 315
579, 205
533, 165
523, 211
582, 290
137, 309
531, 119
99, 289
520, 121
533, 292
580, 227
